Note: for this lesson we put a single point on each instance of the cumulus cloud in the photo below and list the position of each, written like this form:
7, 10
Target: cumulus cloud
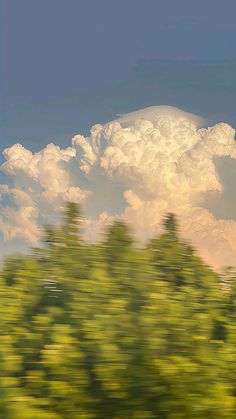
137, 167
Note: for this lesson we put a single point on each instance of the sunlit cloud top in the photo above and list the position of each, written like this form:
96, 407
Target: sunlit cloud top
137, 167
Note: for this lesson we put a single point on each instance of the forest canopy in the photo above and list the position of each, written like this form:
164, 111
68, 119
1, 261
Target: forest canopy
109, 330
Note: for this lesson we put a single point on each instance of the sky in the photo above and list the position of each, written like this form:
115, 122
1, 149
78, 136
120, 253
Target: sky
68, 65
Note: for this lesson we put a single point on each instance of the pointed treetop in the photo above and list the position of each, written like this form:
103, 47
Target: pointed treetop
170, 224
72, 214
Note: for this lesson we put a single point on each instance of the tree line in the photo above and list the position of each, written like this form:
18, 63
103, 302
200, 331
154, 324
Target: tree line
109, 330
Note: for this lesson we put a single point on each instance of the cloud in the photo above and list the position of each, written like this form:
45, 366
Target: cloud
137, 167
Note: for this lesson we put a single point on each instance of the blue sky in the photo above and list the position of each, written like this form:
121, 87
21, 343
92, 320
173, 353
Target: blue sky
69, 64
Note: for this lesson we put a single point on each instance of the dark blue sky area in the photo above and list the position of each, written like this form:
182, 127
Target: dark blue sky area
72, 63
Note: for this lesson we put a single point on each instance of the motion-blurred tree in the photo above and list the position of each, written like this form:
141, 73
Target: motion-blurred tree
112, 331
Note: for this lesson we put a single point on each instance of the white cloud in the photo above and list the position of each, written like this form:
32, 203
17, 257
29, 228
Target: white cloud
41, 183
138, 167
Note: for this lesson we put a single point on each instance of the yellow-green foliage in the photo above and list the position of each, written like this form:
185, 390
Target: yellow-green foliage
111, 331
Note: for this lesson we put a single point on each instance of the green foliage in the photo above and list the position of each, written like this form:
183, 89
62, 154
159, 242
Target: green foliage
111, 331
170, 225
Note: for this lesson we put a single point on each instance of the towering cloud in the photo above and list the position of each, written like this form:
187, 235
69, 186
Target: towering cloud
137, 167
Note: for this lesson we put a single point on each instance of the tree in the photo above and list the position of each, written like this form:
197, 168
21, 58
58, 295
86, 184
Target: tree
111, 331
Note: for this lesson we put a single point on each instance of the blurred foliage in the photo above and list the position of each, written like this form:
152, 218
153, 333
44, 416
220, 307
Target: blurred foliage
112, 331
